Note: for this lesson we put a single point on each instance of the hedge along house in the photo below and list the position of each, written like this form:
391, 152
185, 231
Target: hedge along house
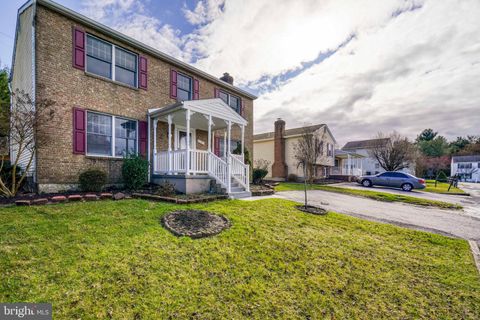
116, 96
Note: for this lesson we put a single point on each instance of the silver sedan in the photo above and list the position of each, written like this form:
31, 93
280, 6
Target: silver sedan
405, 181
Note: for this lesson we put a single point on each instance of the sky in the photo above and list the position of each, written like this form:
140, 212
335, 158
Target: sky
362, 67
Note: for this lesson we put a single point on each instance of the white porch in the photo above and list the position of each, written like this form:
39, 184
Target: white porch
182, 158
348, 164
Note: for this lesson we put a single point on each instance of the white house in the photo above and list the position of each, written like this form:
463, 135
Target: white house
466, 167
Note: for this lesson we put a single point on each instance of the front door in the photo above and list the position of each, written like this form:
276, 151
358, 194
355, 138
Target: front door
181, 139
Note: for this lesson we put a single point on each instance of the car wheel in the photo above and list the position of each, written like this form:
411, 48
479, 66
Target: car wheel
366, 183
407, 187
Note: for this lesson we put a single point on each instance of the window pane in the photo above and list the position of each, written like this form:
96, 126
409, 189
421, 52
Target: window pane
99, 49
184, 87
99, 134
124, 147
183, 95
125, 59
99, 67
222, 95
234, 103
125, 76
125, 137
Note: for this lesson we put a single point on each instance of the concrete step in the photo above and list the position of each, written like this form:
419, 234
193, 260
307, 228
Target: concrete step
238, 189
239, 195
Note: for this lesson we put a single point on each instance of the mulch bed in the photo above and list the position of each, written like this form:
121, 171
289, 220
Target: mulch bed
261, 190
194, 223
312, 210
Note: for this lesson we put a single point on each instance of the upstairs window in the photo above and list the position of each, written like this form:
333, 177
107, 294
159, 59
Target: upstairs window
184, 87
100, 58
231, 100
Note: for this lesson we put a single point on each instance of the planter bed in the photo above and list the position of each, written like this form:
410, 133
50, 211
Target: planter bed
180, 198
261, 190
43, 199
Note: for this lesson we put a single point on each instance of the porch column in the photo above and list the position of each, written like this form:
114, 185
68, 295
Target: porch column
155, 123
229, 158
361, 167
209, 144
187, 156
243, 143
169, 160
348, 164
225, 145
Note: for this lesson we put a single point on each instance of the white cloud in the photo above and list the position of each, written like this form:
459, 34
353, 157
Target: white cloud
205, 11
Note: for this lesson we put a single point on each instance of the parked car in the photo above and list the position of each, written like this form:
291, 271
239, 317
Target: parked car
405, 181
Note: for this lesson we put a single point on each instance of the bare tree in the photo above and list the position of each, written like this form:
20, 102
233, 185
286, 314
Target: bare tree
309, 151
26, 119
393, 151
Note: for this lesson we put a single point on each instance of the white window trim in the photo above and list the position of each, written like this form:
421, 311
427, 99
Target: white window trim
193, 132
112, 64
191, 83
228, 99
112, 155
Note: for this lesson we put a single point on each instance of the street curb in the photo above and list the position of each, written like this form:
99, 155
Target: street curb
476, 253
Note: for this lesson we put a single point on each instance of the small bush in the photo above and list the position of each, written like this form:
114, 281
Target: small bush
292, 177
6, 173
92, 180
258, 175
166, 189
135, 172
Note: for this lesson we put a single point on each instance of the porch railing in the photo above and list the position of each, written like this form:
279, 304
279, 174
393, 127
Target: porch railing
240, 172
344, 171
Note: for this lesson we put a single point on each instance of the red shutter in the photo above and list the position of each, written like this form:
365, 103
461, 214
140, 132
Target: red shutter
196, 88
142, 74
78, 48
242, 108
79, 130
216, 93
216, 146
173, 84
142, 138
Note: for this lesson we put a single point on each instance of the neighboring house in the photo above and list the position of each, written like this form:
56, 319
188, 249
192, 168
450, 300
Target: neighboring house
278, 148
466, 167
355, 159
116, 96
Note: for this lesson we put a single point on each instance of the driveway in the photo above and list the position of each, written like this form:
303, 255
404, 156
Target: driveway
446, 222
471, 203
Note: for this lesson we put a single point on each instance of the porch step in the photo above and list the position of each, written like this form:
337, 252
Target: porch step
239, 195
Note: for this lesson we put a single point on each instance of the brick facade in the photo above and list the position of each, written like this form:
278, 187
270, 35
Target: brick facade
58, 80
279, 167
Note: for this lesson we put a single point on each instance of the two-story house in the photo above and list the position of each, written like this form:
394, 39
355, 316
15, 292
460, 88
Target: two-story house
467, 168
279, 149
115, 96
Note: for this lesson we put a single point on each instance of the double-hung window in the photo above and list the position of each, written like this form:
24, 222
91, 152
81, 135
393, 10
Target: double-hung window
110, 136
184, 87
107, 60
231, 100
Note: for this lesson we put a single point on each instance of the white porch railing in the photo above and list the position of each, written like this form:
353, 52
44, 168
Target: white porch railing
204, 162
344, 171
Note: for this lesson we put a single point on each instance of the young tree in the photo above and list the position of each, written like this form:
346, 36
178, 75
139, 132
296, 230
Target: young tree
309, 151
26, 120
393, 152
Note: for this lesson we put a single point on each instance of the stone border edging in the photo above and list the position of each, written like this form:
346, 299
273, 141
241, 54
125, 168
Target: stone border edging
70, 198
154, 197
475, 253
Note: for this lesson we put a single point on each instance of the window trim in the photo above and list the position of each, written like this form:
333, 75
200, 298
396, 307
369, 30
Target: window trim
238, 110
112, 63
113, 117
190, 92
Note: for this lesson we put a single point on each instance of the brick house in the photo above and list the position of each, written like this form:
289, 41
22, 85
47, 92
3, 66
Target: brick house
116, 96
278, 148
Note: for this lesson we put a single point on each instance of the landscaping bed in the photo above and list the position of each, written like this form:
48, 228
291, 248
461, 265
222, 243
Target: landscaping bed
115, 260
261, 190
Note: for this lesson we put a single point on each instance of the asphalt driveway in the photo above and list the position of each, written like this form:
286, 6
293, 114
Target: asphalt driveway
454, 223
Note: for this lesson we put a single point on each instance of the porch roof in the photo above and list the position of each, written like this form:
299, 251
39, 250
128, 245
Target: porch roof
341, 154
216, 108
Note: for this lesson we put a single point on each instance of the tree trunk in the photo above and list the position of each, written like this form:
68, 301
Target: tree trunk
305, 185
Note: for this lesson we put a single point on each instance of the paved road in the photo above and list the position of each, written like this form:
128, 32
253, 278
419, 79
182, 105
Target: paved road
471, 203
446, 222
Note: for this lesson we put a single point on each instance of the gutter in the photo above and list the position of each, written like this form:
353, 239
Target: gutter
137, 44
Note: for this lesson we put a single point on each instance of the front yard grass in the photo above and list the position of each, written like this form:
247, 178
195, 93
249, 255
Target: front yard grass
441, 187
375, 195
114, 260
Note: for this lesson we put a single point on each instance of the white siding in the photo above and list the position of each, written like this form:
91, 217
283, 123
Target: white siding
264, 150
23, 70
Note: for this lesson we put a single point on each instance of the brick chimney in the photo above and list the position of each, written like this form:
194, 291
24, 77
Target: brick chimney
227, 78
279, 167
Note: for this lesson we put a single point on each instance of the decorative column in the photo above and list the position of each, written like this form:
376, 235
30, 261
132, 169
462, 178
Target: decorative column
169, 159
225, 145
243, 143
229, 158
155, 165
187, 156
209, 143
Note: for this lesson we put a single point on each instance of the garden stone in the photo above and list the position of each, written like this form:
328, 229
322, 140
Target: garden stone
106, 195
40, 201
22, 202
75, 197
59, 199
90, 197
118, 196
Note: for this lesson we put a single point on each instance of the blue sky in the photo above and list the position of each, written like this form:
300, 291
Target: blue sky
359, 66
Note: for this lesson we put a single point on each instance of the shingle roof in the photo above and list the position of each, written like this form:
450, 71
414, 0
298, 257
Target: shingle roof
364, 144
472, 158
288, 132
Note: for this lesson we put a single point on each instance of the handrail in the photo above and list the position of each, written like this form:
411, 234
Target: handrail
218, 169
240, 172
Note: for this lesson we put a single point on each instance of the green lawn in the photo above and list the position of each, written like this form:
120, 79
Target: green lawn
441, 187
376, 195
114, 260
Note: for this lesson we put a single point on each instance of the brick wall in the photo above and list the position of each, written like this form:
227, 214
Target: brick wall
69, 87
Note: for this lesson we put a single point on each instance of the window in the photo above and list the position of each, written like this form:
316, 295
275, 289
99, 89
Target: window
234, 144
377, 165
184, 87
100, 55
125, 137
110, 136
233, 101
125, 67
398, 175
386, 174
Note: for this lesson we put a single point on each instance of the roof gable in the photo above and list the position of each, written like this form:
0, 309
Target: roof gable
364, 144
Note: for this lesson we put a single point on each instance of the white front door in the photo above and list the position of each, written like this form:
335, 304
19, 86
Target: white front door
181, 139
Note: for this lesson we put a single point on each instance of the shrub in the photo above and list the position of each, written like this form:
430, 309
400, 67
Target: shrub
92, 180
134, 172
166, 189
292, 177
259, 175
6, 173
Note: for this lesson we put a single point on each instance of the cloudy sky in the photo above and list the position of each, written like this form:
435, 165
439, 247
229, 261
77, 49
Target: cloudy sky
359, 66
